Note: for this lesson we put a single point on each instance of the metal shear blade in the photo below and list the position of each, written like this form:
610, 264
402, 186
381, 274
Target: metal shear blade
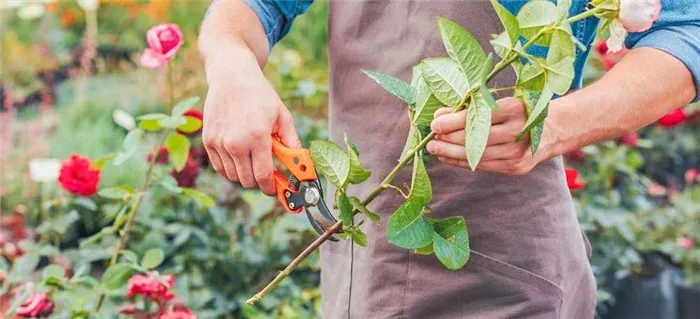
316, 210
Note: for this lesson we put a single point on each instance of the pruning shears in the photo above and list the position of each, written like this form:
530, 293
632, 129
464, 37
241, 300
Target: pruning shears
302, 189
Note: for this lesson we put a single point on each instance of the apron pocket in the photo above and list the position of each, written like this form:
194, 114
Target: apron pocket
517, 273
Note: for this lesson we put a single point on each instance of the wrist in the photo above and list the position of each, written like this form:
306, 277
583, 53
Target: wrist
226, 59
558, 134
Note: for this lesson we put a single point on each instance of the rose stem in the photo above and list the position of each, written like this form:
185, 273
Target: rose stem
392, 175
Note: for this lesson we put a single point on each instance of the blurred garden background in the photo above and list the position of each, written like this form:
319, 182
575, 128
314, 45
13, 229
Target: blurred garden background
72, 89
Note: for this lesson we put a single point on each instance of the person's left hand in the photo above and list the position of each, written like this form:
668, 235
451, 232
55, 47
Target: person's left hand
503, 153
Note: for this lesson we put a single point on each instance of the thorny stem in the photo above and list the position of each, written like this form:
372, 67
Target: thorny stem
386, 183
131, 216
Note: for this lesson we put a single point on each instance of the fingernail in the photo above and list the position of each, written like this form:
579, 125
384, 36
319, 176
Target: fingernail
430, 147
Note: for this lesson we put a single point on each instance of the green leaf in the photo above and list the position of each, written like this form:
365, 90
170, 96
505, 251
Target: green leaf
540, 107
178, 150
562, 46
411, 141
445, 79
486, 68
133, 139
18, 300
425, 250
149, 122
357, 174
451, 242
121, 217
171, 187
114, 192
563, 7
359, 237
357, 205
123, 157
488, 98
421, 188
100, 162
172, 121
477, 128
560, 76
152, 258
130, 256
395, 86
425, 111
331, 161
24, 265
407, 228
192, 124
184, 105
116, 276
530, 99
532, 77
501, 45
54, 271
509, 21
344, 206
535, 15
201, 198
464, 49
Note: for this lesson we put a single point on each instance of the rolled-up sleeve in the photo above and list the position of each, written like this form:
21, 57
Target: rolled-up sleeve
277, 16
677, 32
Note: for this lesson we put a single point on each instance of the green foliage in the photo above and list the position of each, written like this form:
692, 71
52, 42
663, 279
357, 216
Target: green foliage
178, 149
331, 161
357, 174
116, 276
477, 128
451, 242
408, 228
446, 80
395, 86
152, 258
421, 188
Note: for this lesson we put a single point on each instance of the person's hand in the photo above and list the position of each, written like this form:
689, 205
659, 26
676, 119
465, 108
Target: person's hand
503, 153
241, 113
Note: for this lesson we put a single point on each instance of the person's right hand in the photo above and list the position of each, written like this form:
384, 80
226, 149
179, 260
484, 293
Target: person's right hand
241, 113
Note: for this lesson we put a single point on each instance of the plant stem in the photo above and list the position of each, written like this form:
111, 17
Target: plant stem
396, 188
386, 183
171, 87
136, 204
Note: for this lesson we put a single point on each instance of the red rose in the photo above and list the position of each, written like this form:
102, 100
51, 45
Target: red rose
187, 177
572, 179
161, 158
629, 139
37, 305
575, 156
178, 312
602, 47
127, 309
193, 113
200, 156
78, 176
673, 118
150, 287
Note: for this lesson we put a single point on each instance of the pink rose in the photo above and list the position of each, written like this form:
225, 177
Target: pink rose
639, 15
150, 287
127, 309
165, 39
37, 305
686, 243
691, 175
152, 59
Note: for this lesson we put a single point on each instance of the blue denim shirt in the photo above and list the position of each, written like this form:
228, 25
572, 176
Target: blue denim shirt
677, 31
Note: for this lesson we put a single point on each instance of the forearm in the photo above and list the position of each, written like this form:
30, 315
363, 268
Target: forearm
231, 32
644, 86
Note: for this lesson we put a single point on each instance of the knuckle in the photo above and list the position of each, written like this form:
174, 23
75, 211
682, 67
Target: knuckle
209, 141
234, 146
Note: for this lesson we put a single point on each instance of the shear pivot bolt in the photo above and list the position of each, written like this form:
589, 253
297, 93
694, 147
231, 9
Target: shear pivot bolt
312, 196
291, 205
287, 194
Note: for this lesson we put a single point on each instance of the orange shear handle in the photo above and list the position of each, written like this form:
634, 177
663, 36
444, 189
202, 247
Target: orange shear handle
299, 163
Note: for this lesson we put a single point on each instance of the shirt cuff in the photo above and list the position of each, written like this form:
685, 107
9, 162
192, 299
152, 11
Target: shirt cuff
680, 41
271, 18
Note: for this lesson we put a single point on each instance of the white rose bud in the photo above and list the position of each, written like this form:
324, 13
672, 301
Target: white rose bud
639, 15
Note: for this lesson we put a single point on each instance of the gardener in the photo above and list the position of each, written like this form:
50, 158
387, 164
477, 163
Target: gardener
529, 256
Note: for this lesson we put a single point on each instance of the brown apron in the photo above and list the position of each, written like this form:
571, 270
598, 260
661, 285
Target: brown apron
529, 258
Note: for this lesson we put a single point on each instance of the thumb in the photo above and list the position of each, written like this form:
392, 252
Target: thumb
286, 130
